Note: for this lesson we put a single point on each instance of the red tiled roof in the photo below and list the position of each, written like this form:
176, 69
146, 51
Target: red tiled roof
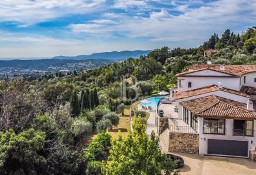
218, 107
234, 70
207, 89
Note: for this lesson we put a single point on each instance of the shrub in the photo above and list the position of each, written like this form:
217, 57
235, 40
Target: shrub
81, 126
94, 168
120, 108
140, 113
103, 125
113, 117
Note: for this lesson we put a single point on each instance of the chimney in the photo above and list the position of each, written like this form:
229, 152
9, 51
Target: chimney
219, 85
222, 67
249, 105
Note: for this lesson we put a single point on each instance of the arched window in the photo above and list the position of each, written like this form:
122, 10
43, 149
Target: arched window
189, 84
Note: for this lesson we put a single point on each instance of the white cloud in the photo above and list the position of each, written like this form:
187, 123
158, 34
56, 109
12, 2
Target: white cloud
124, 4
194, 24
28, 12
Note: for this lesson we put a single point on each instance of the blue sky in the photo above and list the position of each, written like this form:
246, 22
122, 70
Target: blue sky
46, 28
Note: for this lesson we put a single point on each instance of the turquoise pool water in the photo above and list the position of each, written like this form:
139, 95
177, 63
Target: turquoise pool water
152, 102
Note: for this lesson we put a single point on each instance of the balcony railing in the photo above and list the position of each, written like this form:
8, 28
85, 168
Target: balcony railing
182, 129
243, 132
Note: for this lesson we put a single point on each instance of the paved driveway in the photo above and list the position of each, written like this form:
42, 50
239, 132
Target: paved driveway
151, 124
211, 165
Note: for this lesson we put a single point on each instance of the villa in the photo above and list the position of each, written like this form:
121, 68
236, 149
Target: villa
215, 111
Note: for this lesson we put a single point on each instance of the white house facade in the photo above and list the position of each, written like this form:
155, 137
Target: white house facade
217, 102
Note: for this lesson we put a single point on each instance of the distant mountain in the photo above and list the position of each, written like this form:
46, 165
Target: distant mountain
113, 56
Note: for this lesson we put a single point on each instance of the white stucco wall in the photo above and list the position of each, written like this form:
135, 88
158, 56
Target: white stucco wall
203, 138
198, 82
249, 80
226, 95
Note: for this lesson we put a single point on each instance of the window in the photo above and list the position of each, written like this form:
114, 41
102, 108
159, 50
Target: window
243, 128
189, 84
185, 115
194, 122
179, 83
244, 79
214, 126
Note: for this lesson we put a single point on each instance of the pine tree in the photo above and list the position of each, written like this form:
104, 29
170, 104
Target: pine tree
74, 105
96, 97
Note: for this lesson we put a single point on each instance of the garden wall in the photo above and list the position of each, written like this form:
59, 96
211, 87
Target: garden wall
184, 143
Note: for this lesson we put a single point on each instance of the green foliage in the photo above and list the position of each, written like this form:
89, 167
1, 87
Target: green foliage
98, 150
99, 113
147, 69
92, 102
22, 150
136, 154
146, 87
120, 108
103, 125
139, 113
74, 105
160, 82
94, 168
85, 102
250, 44
96, 98
81, 127
113, 117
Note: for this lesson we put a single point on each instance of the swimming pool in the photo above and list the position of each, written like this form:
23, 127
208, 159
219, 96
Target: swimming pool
152, 102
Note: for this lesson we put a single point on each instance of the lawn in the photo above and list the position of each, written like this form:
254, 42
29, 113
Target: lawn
124, 124
123, 127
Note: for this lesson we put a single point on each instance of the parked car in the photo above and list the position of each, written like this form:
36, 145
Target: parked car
177, 159
161, 113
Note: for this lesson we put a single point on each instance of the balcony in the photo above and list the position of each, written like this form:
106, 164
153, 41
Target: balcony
243, 132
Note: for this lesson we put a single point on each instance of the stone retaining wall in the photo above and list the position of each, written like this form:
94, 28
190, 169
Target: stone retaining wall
252, 155
184, 143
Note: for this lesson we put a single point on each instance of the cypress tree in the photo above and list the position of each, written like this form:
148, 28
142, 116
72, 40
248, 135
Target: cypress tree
85, 104
74, 105
96, 97
81, 100
92, 104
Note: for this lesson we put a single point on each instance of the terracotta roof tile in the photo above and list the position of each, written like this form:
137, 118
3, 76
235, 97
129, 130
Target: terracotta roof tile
235, 70
218, 107
207, 89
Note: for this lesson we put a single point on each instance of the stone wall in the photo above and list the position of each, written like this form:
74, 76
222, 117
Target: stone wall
184, 143
252, 155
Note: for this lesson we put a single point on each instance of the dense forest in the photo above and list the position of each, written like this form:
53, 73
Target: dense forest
44, 123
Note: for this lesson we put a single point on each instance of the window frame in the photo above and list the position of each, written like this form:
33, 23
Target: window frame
244, 129
189, 84
194, 121
215, 133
